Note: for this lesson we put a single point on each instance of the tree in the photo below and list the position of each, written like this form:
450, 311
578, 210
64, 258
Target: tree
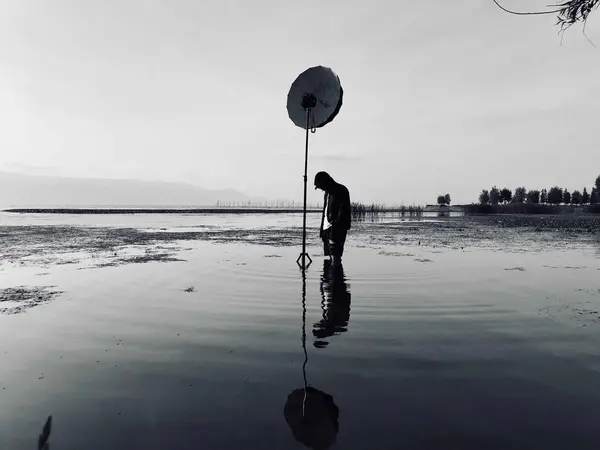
576, 198
555, 195
597, 179
484, 197
520, 195
505, 195
585, 197
569, 12
494, 196
594, 196
443, 200
544, 197
566, 197
533, 197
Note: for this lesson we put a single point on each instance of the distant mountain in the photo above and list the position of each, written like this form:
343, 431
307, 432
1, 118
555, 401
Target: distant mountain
20, 190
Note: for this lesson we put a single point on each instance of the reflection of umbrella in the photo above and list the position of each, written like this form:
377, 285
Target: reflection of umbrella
318, 427
314, 99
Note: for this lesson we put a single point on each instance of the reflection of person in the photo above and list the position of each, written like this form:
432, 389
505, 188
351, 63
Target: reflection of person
313, 417
335, 303
311, 414
336, 207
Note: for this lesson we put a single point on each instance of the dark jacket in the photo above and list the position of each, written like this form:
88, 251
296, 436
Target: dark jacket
338, 207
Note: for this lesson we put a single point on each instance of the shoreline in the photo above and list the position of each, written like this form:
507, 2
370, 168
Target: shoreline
159, 211
258, 210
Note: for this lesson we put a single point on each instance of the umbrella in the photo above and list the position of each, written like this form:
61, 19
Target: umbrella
319, 89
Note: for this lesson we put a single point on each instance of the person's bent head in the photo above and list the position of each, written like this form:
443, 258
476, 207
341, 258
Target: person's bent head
323, 181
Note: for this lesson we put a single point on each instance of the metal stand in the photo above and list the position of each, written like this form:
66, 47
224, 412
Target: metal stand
308, 101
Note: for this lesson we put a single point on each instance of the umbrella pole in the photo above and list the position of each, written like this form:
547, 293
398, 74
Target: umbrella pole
305, 255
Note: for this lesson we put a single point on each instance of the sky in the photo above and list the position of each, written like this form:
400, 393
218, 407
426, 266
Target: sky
439, 96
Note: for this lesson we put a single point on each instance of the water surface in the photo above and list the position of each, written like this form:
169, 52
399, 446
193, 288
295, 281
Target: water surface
436, 333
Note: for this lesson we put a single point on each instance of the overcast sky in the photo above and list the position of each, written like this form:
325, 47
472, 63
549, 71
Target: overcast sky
439, 96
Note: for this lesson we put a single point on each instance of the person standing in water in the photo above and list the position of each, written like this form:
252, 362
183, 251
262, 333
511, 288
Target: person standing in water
336, 218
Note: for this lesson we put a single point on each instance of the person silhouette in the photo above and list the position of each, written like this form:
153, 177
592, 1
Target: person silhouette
337, 211
335, 303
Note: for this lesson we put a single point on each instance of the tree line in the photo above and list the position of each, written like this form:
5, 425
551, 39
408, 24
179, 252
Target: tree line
553, 196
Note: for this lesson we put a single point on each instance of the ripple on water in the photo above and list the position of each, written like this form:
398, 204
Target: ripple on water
269, 270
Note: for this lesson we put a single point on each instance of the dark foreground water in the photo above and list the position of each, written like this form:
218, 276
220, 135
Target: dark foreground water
145, 332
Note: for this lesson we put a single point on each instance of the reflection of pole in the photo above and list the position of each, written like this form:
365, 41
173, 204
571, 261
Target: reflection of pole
304, 337
323, 300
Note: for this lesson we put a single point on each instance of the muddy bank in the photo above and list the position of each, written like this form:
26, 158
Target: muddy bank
57, 245
159, 257
17, 300
512, 233
561, 223
47, 246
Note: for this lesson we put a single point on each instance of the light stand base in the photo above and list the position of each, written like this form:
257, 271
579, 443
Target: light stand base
303, 256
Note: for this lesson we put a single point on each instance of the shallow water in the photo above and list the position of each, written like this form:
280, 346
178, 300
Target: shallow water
439, 333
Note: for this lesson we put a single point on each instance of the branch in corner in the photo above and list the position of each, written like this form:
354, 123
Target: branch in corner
569, 12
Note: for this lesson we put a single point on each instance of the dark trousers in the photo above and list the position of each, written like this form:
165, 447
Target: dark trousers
334, 239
